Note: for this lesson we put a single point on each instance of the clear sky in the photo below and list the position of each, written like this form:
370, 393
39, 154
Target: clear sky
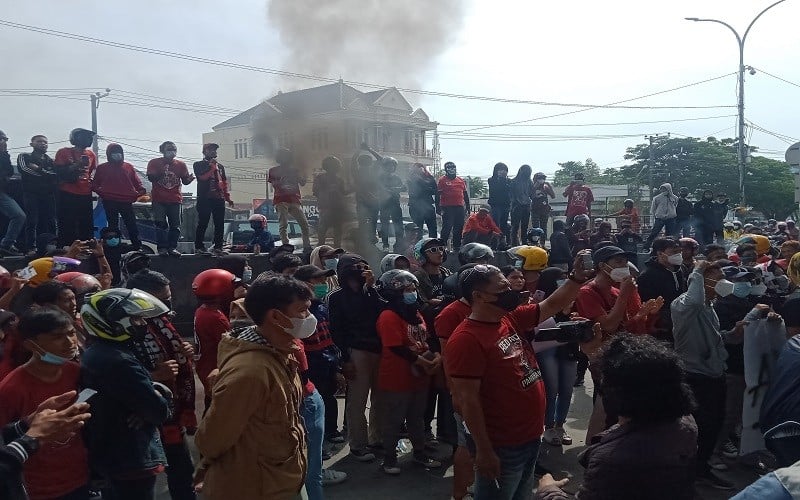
571, 51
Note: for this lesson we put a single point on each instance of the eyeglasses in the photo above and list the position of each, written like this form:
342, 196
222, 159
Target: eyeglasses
435, 250
361, 267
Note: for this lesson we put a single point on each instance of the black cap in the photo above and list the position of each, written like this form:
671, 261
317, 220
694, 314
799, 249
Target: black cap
663, 244
309, 272
737, 273
605, 254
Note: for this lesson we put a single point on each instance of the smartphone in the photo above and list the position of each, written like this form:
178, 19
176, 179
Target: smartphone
85, 395
588, 263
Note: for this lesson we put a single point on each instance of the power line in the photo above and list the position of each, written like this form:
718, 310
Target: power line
594, 124
217, 62
778, 78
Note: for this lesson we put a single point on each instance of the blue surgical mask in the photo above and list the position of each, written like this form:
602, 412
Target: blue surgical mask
50, 358
112, 242
410, 298
331, 263
742, 289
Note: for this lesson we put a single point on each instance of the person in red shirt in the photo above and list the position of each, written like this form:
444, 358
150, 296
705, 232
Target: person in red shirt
286, 181
579, 198
496, 383
118, 186
453, 204
481, 228
405, 368
61, 469
74, 167
631, 213
167, 173
212, 194
215, 289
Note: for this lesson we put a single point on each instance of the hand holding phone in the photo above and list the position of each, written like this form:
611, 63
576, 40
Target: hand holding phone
85, 395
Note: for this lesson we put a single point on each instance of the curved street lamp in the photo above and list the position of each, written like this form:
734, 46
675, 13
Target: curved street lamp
741, 40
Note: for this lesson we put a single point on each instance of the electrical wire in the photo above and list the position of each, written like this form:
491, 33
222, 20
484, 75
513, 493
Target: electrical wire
595, 124
777, 77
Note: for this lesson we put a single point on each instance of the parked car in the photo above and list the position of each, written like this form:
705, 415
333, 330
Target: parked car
239, 233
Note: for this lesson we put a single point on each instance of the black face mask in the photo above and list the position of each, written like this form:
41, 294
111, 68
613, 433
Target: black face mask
450, 174
168, 303
509, 299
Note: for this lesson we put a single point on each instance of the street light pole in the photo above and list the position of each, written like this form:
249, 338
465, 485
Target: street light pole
95, 100
742, 153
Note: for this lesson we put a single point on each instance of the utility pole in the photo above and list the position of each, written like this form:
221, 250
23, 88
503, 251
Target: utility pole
95, 98
651, 161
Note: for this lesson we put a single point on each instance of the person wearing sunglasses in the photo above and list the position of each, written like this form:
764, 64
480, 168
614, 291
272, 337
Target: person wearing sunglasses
492, 348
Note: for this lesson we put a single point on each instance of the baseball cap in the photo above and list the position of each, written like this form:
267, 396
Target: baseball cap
210, 145
737, 273
605, 254
309, 272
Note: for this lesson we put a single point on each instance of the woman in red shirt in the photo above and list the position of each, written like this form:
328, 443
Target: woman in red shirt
405, 368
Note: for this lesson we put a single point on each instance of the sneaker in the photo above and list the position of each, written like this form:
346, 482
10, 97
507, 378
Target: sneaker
552, 437
201, 251
219, 252
362, 455
565, 438
173, 252
11, 251
729, 449
390, 468
331, 477
427, 462
716, 463
163, 252
335, 437
711, 479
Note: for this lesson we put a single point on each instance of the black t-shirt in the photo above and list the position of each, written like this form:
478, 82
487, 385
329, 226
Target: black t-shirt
437, 280
791, 312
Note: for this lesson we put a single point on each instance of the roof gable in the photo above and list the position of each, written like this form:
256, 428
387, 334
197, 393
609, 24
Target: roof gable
246, 117
393, 99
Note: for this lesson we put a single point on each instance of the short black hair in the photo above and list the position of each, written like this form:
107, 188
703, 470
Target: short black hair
40, 320
745, 247
273, 292
713, 247
476, 277
234, 264
559, 225
663, 244
284, 262
48, 292
37, 136
147, 280
506, 270
631, 367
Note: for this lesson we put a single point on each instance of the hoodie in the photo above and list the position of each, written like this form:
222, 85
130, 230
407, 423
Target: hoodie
659, 281
665, 204
252, 438
117, 181
353, 315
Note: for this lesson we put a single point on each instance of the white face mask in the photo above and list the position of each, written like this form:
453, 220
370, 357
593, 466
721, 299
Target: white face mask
618, 274
759, 289
675, 259
724, 287
301, 328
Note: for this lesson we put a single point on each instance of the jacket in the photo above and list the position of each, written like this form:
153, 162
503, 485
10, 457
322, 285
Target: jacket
422, 189
631, 462
6, 170
13, 454
710, 214
729, 310
42, 181
124, 388
117, 181
353, 314
252, 438
499, 192
560, 252
482, 225
391, 185
521, 192
330, 192
664, 205
684, 210
210, 172
659, 281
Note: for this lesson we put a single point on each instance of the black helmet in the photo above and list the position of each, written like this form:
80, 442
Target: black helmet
80, 137
474, 252
581, 218
331, 164
628, 202
389, 163
578, 176
394, 281
539, 175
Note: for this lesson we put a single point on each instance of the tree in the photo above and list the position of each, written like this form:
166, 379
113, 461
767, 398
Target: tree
568, 169
476, 187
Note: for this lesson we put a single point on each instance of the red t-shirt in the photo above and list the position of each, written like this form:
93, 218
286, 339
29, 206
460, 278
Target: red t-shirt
394, 373
168, 188
65, 157
209, 326
449, 318
580, 200
451, 191
512, 391
56, 469
592, 304
302, 361
286, 183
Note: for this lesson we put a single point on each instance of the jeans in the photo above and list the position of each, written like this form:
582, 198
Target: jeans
399, 407
559, 377
423, 213
516, 474
295, 210
41, 211
16, 219
668, 225
313, 413
206, 208
539, 218
358, 390
683, 228
168, 220
709, 392
115, 209
391, 209
520, 215
75, 219
323, 374
180, 471
131, 489
499, 215
452, 221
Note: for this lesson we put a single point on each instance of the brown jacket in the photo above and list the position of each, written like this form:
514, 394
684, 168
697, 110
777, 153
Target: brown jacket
252, 437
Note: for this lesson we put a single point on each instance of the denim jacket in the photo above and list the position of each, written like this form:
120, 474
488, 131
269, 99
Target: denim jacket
124, 389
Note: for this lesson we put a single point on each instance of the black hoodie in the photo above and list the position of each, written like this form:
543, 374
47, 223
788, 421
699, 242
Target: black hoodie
353, 315
658, 281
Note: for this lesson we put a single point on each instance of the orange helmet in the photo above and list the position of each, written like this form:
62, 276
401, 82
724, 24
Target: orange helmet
80, 282
215, 283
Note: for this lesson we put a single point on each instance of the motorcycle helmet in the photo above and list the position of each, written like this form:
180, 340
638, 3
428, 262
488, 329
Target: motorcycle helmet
394, 281
258, 221
475, 252
117, 313
529, 258
581, 218
389, 164
215, 283
535, 235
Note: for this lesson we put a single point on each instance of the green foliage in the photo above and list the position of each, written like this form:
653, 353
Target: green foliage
591, 172
476, 187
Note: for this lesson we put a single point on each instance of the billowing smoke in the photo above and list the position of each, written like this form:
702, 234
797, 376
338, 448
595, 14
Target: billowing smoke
389, 42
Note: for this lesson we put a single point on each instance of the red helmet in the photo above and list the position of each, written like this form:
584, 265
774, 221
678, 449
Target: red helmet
80, 283
214, 283
259, 218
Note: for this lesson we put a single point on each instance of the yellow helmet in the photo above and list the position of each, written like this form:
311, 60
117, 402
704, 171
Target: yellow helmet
793, 269
761, 242
532, 258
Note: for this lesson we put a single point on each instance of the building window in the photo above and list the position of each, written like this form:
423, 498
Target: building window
244, 148
240, 148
